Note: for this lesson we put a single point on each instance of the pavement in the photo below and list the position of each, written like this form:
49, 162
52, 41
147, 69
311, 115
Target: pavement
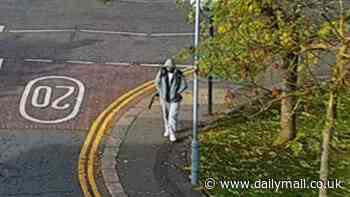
138, 161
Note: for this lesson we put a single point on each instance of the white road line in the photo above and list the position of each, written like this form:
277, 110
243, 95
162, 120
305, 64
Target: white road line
118, 63
39, 60
106, 63
160, 65
151, 65
125, 33
114, 32
170, 34
42, 30
2, 28
79, 62
1, 61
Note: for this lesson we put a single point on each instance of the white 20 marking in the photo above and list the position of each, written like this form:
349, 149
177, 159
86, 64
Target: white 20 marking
47, 97
56, 104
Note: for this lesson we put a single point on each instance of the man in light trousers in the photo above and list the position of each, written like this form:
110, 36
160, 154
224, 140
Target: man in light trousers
170, 83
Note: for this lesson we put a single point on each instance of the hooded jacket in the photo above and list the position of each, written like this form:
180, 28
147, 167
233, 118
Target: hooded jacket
170, 91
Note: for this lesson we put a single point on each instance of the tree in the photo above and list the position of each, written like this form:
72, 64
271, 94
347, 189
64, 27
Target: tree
254, 34
335, 40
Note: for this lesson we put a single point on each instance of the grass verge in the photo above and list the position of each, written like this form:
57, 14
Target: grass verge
236, 148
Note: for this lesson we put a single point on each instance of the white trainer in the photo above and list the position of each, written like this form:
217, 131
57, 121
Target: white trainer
166, 133
172, 137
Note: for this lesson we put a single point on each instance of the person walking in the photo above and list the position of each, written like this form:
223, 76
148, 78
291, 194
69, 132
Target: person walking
170, 83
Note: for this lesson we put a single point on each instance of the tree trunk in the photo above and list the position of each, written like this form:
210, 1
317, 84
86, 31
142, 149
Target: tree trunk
288, 117
327, 136
331, 114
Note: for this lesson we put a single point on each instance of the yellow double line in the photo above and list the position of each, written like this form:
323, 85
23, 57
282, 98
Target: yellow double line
87, 157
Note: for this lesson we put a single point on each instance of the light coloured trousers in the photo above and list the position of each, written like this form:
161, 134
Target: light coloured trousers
170, 115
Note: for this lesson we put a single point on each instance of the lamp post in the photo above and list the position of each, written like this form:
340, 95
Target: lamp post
195, 144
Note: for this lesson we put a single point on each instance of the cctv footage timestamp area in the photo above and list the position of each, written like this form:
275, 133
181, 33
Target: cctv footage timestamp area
174, 98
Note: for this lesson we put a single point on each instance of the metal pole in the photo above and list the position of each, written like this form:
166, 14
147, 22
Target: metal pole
195, 143
210, 78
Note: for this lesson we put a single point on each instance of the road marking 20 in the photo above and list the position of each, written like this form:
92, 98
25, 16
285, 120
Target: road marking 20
47, 97
56, 103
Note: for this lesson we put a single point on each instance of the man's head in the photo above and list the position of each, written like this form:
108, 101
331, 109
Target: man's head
170, 65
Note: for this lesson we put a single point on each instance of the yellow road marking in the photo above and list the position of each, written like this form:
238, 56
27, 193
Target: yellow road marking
83, 159
98, 129
100, 134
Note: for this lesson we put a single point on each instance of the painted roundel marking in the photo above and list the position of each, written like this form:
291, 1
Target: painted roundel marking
40, 96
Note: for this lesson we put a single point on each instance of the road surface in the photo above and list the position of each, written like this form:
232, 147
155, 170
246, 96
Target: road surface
61, 63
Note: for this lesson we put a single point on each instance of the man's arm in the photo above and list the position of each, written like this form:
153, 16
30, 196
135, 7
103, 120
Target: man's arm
157, 80
183, 84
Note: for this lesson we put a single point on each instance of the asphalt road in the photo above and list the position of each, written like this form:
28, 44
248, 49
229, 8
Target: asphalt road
56, 76
87, 27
